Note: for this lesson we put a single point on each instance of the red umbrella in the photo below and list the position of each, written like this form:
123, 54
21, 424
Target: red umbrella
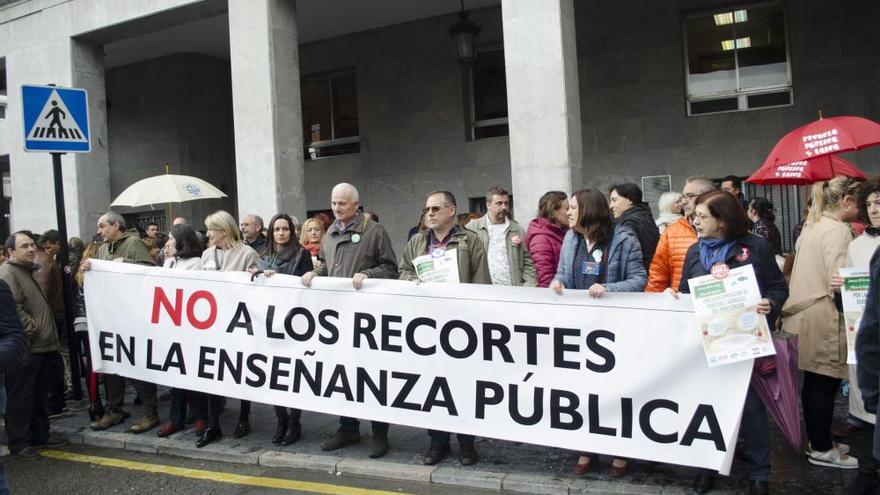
824, 137
779, 390
805, 172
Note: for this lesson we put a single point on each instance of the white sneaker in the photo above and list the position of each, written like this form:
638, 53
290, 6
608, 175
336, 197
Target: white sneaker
841, 447
832, 458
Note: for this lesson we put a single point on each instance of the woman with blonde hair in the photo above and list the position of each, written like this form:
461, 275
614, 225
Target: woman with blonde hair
311, 236
814, 312
228, 253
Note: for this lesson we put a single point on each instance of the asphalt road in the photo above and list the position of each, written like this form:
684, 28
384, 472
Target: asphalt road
151, 473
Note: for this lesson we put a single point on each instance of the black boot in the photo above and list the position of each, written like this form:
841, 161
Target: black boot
280, 430
294, 433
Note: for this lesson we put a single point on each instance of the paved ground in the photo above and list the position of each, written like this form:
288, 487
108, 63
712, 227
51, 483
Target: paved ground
26, 477
514, 467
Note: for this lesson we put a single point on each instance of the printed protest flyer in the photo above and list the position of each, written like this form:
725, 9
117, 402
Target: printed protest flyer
441, 265
853, 293
726, 306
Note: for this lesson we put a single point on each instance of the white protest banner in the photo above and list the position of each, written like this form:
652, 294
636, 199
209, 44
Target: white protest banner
726, 307
622, 375
853, 294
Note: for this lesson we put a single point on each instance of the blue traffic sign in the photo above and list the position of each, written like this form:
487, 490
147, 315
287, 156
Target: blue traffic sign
56, 120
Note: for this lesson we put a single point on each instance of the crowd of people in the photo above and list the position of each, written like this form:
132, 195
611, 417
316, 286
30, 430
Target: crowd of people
591, 240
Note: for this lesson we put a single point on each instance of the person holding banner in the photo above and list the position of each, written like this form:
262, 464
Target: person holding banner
228, 253
814, 313
124, 246
183, 251
598, 257
358, 248
724, 244
284, 254
445, 252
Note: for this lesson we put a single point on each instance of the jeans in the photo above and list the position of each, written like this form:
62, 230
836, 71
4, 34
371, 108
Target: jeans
4, 486
756, 435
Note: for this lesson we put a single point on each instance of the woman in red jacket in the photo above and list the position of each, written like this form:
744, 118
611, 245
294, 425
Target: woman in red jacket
545, 233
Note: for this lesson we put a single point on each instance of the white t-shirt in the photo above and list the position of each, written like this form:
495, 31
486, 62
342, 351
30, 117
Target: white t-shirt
499, 264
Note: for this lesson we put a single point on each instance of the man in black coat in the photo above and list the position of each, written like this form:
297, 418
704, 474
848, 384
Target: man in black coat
868, 370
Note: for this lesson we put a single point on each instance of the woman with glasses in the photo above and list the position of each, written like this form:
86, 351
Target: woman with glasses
598, 257
227, 253
724, 241
814, 313
284, 254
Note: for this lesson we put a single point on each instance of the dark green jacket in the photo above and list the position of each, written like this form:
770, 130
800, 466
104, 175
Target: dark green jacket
128, 249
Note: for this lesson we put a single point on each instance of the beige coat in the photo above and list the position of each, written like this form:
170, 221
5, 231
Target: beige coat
810, 312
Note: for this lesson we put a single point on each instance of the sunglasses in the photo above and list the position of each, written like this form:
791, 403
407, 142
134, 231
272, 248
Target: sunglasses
433, 209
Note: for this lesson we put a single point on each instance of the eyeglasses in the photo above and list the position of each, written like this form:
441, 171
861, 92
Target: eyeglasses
433, 209
689, 195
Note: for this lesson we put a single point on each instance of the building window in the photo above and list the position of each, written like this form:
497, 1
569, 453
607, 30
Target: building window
3, 95
737, 59
330, 115
487, 85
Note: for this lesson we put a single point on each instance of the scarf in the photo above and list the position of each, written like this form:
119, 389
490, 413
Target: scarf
872, 231
713, 251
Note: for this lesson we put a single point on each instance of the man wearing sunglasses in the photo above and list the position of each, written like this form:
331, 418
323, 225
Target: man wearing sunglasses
357, 248
442, 237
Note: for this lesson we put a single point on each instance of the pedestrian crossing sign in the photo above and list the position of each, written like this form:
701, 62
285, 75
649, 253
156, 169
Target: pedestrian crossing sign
56, 119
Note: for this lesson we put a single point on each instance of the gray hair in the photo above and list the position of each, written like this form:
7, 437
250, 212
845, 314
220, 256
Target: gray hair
704, 183
113, 218
667, 201
349, 189
257, 219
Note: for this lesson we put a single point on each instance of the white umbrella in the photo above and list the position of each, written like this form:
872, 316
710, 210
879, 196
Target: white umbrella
166, 188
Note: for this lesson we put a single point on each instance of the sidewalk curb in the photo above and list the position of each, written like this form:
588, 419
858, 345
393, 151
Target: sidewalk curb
487, 480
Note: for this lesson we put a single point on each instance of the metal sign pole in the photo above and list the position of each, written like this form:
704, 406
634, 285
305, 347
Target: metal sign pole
67, 282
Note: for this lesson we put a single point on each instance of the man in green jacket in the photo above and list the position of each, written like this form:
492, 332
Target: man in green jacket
124, 246
504, 240
421, 262
28, 383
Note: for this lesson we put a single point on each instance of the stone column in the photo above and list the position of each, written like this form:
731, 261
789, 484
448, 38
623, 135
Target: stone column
92, 178
267, 112
543, 100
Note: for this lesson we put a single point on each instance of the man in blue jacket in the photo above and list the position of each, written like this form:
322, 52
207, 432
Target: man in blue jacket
13, 346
